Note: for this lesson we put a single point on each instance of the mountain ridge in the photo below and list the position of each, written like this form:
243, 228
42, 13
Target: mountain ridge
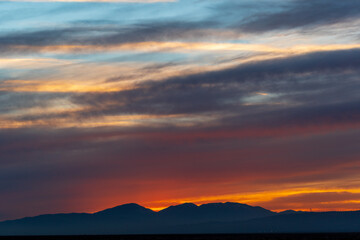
184, 218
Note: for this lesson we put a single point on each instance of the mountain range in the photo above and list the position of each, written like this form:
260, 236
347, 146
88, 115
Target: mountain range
186, 218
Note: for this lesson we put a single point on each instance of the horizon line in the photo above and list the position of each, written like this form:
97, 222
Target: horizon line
158, 209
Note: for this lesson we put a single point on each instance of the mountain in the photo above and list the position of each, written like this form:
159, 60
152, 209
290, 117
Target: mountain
184, 218
126, 212
223, 212
290, 212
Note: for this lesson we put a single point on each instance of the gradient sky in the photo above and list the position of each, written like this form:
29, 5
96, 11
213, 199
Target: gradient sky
165, 102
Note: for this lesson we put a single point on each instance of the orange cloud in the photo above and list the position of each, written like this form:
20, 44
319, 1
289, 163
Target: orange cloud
177, 46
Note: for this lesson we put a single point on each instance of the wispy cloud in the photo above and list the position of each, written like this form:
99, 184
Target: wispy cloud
111, 1
299, 14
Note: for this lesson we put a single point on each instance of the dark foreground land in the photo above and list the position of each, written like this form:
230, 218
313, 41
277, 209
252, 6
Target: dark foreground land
188, 218
320, 236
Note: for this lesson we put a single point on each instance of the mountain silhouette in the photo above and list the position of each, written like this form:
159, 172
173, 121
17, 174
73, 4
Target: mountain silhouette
126, 211
180, 219
290, 212
191, 213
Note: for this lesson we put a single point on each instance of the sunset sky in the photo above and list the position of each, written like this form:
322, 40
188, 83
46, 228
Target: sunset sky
164, 102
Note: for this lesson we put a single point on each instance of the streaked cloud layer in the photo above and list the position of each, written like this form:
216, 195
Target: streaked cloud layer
165, 102
114, 1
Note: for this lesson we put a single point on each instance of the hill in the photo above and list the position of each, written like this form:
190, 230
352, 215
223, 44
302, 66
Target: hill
183, 219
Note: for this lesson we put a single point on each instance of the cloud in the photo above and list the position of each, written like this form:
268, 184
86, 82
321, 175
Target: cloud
108, 35
111, 1
119, 164
317, 201
227, 89
300, 14
297, 89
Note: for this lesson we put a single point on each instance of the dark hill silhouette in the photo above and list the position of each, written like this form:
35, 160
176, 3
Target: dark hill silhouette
126, 211
290, 212
225, 212
184, 218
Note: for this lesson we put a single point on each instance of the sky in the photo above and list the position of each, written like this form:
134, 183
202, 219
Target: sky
162, 102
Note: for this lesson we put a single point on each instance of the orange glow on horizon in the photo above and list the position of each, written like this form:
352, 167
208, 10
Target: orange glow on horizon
271, 200
259, 199
262, 199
